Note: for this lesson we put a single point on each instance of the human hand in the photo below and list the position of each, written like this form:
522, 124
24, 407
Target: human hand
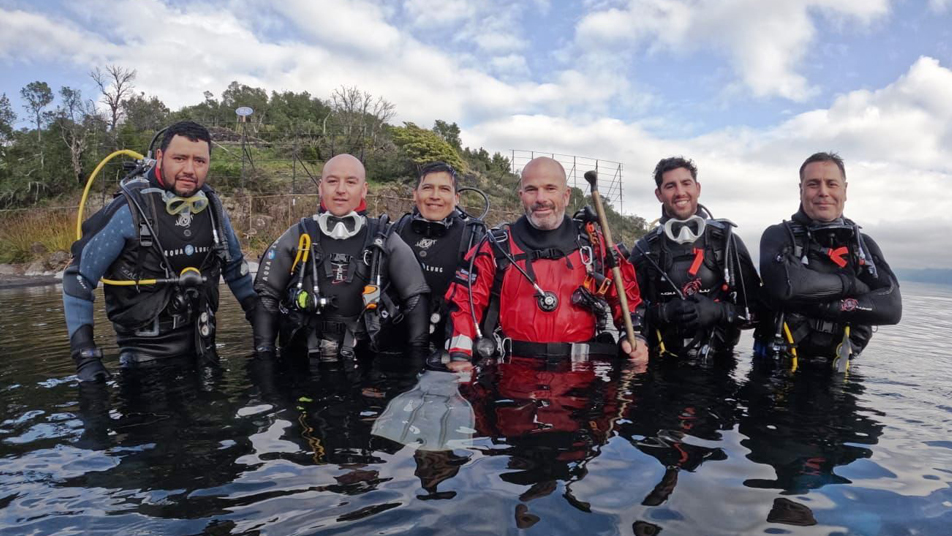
459, 363
637, 354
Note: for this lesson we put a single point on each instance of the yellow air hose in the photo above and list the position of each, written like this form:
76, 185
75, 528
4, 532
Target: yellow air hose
793, 351
304, 247
89, 185
82, 206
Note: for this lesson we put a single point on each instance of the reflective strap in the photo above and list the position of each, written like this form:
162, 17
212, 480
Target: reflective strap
462, 344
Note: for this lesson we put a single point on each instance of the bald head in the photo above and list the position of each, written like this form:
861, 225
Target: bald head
343, 184
543, 166
544, 193
344, 165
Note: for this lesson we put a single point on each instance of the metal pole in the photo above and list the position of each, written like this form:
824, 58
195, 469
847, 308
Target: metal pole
242, 156
621, 191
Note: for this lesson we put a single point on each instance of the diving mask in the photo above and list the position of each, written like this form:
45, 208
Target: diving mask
177, 205
685, 231
340, 228
429, 228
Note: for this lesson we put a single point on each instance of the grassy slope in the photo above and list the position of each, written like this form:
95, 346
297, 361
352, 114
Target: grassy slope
269, 182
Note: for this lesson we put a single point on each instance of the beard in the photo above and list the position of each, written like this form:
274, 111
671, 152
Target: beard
547, 222
183, 189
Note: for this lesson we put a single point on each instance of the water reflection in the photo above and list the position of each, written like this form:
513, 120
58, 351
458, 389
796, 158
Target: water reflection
683, 448
549, 420
680, 399
805, 425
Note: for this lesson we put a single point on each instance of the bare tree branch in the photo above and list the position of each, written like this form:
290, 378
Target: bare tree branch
116, 85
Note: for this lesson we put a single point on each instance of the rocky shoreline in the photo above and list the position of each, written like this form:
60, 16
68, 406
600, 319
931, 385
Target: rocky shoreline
47, 270
40, 273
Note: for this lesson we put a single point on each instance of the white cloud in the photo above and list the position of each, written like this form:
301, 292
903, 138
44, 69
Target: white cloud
45, 39
764, 44
429, 13
939, 6
895, 141
202, 48
510, 65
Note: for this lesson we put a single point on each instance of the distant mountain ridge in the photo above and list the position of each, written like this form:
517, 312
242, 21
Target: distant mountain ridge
941, 276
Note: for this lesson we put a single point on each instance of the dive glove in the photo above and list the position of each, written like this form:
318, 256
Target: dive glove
676, 311
708, 312
88, 357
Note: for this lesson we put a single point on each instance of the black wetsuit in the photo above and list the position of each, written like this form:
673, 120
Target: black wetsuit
153, 321
818, 283
343, 269
441, 248
697, 296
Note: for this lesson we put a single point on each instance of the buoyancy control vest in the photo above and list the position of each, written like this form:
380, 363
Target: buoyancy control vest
705, 267
344, 269
136, 307
829, 249
440, 247
560, 268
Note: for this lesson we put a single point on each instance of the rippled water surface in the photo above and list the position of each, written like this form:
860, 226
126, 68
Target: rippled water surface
725, 448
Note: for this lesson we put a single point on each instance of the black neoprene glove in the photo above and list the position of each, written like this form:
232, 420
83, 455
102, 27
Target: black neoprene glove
707, 312
675, 311
87, 356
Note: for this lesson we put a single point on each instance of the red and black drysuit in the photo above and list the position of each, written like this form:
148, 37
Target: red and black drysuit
554, 259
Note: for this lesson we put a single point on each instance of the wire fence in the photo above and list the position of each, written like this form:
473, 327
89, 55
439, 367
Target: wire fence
609, 172
257, 219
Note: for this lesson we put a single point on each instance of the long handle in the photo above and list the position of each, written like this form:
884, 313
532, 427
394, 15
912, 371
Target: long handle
592, 178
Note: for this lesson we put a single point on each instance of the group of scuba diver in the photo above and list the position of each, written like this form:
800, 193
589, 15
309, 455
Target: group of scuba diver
445, 291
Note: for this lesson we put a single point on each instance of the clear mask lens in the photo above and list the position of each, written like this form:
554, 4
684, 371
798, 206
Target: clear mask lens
685, 231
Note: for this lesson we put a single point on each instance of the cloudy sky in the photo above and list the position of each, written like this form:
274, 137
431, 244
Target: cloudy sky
746, 88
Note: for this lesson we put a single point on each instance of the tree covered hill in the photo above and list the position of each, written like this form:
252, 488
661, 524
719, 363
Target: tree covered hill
279, 149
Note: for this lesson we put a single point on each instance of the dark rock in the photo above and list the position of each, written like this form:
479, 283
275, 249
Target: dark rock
35, 268
58, 259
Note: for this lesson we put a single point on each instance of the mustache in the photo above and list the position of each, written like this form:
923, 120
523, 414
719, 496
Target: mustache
541, 206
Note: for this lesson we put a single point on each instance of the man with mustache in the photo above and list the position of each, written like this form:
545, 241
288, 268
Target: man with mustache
696, 277
328, 281
528, 284
160, 246
440, 234
828, 284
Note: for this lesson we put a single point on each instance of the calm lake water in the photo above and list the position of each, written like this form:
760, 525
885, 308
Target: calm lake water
594, 448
